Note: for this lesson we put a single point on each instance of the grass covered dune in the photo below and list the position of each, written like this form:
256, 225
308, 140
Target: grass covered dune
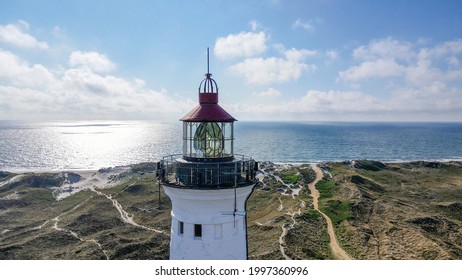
378, 210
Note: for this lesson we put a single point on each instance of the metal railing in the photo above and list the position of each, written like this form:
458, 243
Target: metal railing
174, 171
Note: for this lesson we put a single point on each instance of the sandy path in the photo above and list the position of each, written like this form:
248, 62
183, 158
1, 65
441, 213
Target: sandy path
11, 180
72, 233
124, 215
337, 251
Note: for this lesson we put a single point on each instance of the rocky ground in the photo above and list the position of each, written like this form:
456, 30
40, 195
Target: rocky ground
380, 211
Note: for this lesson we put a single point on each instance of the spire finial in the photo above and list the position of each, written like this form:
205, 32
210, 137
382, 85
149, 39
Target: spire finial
208, 85
208, 75
208, 70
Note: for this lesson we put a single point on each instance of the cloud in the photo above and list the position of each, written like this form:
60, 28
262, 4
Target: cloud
450, 48
92, 60
255, 25
271, 92
384, 48
33, 91
330, 105
81, 87
298, 54
334, 101
308, 26
269, 70
258, 69
331, 56
414, 65
426, 79
433, 102
274, 69
16, 71
15, 35
244, 44
98, 94
379, 68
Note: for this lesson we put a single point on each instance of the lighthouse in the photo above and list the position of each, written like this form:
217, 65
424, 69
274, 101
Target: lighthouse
208, 184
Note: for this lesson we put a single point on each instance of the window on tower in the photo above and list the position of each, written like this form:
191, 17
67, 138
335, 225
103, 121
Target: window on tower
198, 231
180, 228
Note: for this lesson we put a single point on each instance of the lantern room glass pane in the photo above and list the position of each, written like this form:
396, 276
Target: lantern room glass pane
208, 139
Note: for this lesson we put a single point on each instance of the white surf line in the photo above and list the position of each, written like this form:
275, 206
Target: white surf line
124, 215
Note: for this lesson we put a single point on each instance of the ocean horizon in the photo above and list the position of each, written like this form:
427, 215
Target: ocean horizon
69, 145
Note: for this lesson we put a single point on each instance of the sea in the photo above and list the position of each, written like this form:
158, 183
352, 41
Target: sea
67, 145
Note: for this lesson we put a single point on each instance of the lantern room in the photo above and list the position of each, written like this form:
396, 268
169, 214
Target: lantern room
208, 160
208, 131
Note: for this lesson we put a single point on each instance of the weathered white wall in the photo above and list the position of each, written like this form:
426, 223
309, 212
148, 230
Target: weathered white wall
213, 210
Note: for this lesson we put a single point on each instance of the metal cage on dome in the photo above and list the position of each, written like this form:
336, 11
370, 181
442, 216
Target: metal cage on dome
208, 84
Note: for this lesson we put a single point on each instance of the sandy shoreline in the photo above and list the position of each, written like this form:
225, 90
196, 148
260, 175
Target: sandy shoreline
298, 163
76, 180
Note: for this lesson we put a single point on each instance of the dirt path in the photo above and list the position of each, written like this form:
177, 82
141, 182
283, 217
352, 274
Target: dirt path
55, 226
337, 251
124, 215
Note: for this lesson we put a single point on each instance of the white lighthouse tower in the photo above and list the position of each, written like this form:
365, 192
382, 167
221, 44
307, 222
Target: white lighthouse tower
208, 184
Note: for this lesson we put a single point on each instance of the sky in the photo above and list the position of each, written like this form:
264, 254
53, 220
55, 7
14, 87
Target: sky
308, 60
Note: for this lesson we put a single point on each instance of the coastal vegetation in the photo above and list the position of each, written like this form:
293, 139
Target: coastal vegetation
378, 210
399, 210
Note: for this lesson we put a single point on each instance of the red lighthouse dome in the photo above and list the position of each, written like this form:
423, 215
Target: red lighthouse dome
208, 109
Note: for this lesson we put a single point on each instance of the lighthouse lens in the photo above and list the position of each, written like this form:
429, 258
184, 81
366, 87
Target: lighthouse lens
208, 139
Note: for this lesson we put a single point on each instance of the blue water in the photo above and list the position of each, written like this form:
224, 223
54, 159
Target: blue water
315, 142
96, 144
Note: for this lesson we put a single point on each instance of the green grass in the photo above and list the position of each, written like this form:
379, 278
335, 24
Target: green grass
307, 175
310, 215
319, 256
325, 188
290, 176
337, 210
